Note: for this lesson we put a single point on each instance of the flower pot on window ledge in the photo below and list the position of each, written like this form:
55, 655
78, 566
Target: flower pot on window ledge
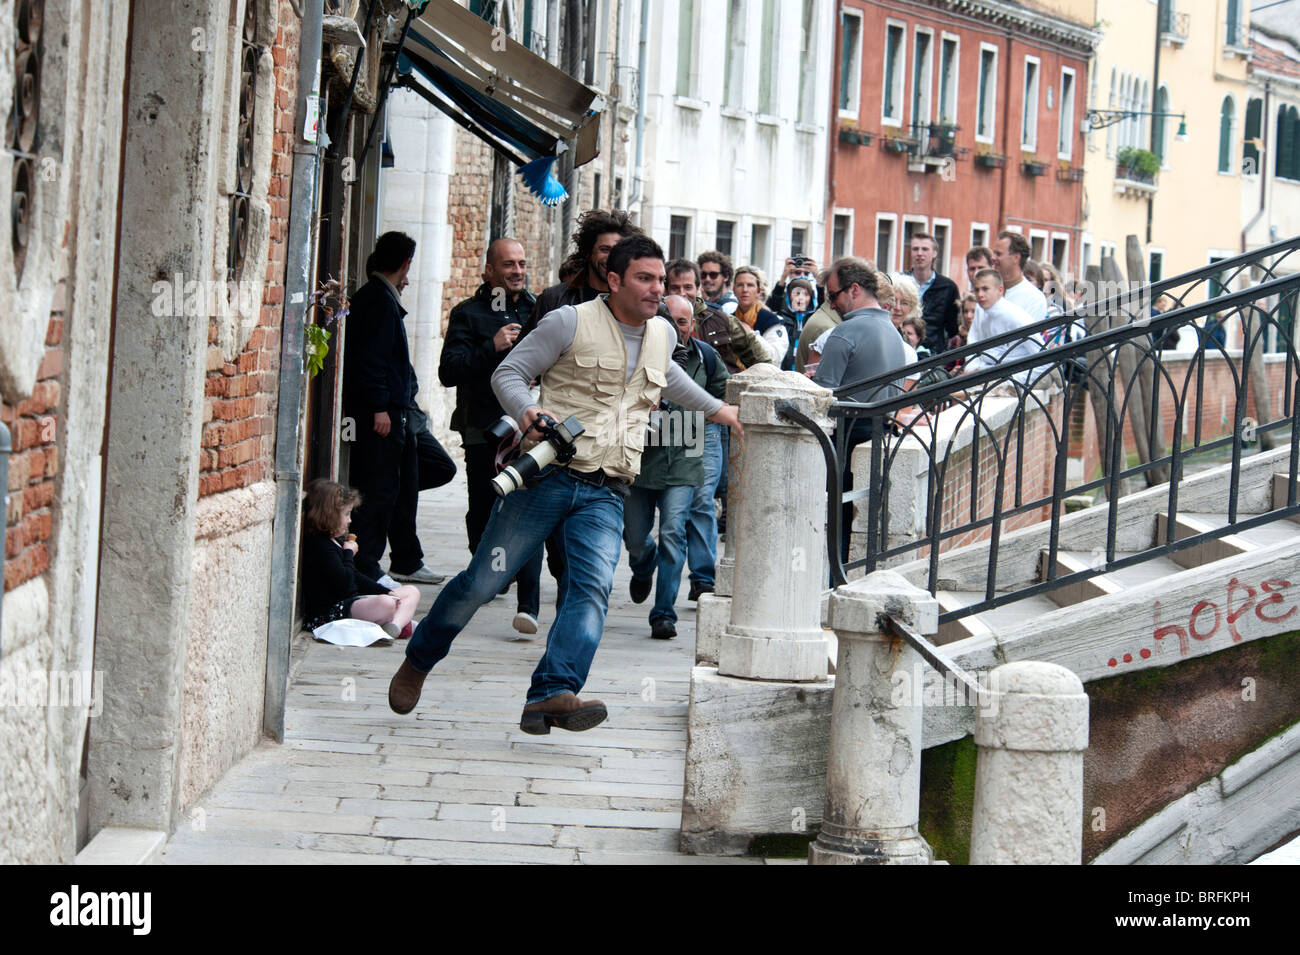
990, 160
1033, 167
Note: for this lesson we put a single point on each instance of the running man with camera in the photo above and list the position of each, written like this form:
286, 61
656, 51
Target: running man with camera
605, 362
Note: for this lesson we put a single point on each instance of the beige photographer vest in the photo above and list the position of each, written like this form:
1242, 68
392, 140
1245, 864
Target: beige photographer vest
590, 381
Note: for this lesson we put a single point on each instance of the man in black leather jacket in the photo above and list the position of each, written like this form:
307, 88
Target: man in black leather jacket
480, 333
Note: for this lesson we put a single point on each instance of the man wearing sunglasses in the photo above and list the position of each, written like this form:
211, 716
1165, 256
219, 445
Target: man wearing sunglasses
864, 345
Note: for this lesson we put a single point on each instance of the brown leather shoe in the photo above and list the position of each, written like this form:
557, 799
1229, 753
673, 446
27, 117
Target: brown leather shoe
404, 690
565, 711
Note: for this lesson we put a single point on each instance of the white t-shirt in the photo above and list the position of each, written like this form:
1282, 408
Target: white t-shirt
1024, 294
1004, 316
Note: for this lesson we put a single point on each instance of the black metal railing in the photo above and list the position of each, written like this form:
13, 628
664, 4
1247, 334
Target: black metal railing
1007, 424
934, 139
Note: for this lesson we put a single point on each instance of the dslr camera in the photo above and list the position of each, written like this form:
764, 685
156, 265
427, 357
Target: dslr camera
558, 445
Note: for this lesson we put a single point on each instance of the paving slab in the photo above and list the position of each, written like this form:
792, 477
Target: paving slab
456, 781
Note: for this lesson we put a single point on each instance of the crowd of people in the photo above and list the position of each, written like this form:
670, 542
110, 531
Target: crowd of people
640, 350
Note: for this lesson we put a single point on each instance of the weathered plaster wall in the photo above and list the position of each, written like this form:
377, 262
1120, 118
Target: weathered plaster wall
52, 543
225, 664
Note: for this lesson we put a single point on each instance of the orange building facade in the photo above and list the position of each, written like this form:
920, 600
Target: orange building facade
958, 118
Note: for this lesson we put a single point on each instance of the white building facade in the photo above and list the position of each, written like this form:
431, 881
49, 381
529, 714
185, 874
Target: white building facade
737, 106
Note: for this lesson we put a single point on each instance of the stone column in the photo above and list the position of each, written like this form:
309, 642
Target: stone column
778, 529
873, 771
714, 610
1029, 778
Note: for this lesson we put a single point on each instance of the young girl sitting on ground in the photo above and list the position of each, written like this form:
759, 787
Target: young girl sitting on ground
331, 587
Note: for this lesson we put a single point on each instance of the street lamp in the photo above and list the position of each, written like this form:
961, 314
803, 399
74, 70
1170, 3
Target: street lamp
1101, 118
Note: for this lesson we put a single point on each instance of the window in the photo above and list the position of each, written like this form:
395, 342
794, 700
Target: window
807, 84
988, 93
850, 62
758, 246
1155, 265
733, 64
1284, 333
842, 235
922, 73
1226, 112
1160, 127
616, 200
885, 242
1287, 164
686, 47
948, 81
1029, 107
1065, 137
1110, 130
941, 232
798, 240
1037, 245
1060, 252
1217, 286
891, 106
979, 235
677, 233
726, 236
1232, 33
910, 228
1249, 150
767, 88
598, 195
1085, 254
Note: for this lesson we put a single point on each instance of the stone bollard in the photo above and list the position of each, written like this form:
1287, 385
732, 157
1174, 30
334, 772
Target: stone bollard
1031, 735
873, 770
774, 632
714, 610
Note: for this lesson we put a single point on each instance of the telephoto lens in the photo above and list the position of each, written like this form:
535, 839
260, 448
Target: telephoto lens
503, 428
557, 444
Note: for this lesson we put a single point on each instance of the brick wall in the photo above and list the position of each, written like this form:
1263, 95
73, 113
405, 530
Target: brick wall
238, 441
469, 203
34, 427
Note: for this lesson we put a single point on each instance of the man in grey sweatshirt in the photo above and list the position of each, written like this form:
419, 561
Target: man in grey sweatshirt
864, 345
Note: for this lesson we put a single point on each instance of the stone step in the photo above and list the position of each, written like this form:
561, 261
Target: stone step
1068, 562
1261, 536
990, 621
1279, 493
1188, 525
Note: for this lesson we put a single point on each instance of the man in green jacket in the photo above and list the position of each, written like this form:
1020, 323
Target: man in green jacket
672, 467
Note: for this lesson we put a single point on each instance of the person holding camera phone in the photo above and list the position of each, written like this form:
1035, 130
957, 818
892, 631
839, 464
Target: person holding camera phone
606, 363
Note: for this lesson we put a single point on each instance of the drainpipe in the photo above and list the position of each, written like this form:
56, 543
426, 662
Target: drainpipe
641, 61
1263, 163
833, 149
5, 448
1006, 141
1155, 100
299, 268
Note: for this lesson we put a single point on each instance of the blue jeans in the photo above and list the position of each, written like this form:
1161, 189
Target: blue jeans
670, 554
702, 525
589, 520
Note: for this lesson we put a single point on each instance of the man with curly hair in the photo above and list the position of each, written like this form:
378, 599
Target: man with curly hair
598, 232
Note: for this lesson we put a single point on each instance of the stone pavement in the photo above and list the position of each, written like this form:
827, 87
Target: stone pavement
456, 781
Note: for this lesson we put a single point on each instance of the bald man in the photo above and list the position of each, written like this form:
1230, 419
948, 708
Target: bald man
673, 472
480, 333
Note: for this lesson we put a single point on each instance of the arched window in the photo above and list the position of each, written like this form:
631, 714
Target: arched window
1160, 139
1293, 142
1249, 152
1144, 124
1110, 130
1287, 163
1225, 134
